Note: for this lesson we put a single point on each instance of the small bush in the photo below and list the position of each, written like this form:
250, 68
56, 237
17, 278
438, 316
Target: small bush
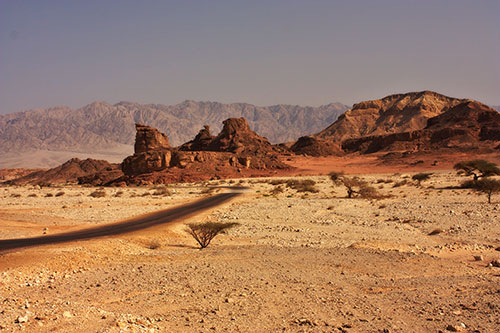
277, 190
60, 194
203, 233
355, 186
32, 195
306, 185
400, 183
49, 195
277, 182
15, 195
118, 194
162, 191
420, 177
153, 245
98, 194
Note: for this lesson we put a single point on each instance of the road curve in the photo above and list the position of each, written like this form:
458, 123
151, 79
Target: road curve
160, 217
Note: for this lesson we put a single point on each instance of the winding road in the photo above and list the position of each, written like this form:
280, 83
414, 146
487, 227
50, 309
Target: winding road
134, 224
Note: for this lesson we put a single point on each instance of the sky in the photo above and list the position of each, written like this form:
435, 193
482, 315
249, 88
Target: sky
262, 52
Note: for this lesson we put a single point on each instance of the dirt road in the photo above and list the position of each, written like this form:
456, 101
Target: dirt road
142, 222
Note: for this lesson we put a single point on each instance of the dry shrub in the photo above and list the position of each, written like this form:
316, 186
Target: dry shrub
306, 185
355, 186
420, 177
203, 233
49, 195
162, 190
60, 194
277, 190
32, 195
118, 194
145, 194
98, 194
15, 195
276, 181
400, 183
153, 245
207, 190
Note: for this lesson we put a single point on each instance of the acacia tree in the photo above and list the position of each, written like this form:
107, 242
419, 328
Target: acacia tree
354, 186
203, 233
488, 186
477, 168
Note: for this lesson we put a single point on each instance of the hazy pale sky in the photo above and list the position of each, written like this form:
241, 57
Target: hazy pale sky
261, 52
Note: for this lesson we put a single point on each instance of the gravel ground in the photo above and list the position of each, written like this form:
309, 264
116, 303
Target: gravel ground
298, 261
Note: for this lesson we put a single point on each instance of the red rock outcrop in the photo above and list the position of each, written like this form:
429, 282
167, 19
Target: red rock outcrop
70, 172
237, 148
149, 138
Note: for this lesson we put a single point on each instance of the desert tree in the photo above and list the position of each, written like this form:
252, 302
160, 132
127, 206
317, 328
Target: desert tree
420, 177
486, 185
477, 168
203, 233
355, 186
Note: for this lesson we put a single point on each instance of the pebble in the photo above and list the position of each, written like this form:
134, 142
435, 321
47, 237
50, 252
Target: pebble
478, 258
22, 319
67, 314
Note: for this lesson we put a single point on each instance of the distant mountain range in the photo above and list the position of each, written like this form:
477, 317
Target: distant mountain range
48, 137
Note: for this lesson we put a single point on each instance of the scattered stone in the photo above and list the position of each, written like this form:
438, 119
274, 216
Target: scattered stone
22, 319
436, 231
478, 258
495, 263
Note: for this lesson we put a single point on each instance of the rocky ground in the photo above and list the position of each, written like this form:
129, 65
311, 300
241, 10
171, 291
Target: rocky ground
298, 261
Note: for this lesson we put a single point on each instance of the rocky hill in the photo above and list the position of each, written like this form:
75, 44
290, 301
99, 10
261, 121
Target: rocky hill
108, 130
395, 118
391, 114
468, 126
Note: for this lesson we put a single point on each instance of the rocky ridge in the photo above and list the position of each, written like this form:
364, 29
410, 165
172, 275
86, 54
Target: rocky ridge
417, 121
469, 125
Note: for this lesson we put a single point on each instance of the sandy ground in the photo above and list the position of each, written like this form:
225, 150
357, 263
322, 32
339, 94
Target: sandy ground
298, 262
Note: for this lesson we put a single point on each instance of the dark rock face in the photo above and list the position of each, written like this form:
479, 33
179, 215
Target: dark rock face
308, 145
148, 138
201, 141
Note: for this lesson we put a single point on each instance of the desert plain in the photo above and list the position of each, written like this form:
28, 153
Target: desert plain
297, 261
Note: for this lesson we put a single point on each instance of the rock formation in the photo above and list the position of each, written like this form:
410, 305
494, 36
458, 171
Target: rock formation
313, 146
148, 138
404, 122
237, 148
469, 125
